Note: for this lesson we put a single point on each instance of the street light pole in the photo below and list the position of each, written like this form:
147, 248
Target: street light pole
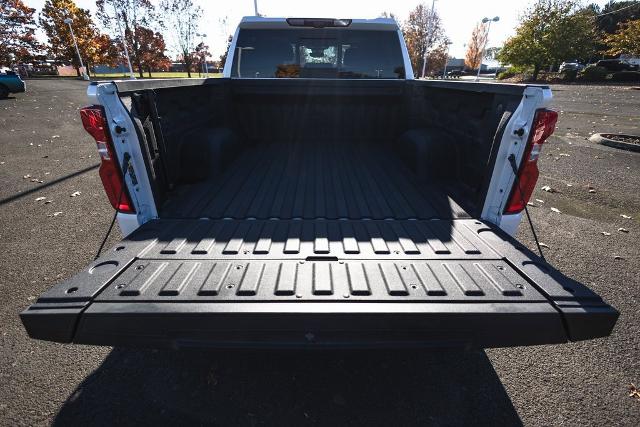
255, 7
124, 44
446, 59
486, 41
68, 21
428, 39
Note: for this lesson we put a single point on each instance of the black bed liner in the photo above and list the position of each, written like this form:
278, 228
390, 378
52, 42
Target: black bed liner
315, 181
344, 283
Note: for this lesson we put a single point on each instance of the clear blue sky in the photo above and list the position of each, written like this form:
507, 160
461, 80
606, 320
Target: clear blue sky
458, 16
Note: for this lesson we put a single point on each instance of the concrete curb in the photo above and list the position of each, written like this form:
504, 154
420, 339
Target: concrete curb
600, 139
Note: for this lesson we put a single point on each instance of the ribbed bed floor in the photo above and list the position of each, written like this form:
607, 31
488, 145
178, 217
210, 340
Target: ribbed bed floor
313, 182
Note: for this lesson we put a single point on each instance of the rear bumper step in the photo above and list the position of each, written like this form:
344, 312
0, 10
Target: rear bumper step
317, 325
312, 324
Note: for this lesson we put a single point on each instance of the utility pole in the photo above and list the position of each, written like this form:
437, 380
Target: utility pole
486, 41
255, 7
428, 38
124, 43
68, 21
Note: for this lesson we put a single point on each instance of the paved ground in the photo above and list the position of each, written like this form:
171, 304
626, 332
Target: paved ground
580, 383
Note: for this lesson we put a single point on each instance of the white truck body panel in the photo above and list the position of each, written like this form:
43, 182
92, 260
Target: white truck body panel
136, 178
503, 178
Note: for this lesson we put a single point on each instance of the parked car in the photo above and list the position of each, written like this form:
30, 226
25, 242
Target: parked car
454, 74
318, 196
571, 66
614, 65
10, 82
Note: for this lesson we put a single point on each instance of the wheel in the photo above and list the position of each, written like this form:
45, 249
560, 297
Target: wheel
4, 92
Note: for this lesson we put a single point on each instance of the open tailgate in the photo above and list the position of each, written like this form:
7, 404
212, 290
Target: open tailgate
322, 283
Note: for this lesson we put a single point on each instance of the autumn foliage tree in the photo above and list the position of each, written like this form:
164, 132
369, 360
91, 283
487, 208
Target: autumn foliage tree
183, 17
202, 53
151, 48
626, 40
422, 35
18, 42
134, 19
550, 32
95, 48
473, 57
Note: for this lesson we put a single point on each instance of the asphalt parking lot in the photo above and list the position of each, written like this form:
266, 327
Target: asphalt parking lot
587, 383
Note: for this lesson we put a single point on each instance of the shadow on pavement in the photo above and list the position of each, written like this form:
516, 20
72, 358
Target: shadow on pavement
48, 184
292, 388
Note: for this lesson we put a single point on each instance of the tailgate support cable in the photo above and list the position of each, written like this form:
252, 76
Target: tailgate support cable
512, 162
125, 167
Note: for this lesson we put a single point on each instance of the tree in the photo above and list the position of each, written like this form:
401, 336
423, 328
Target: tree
615, 13
202, 53
95, 48
473, 57
151, 48
131, 18
492, 52
625, 40
550, 32
18, 42
183, 17
421, 37
223, 58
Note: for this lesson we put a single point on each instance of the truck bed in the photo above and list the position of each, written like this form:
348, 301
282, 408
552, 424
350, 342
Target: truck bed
315, 181
319, 213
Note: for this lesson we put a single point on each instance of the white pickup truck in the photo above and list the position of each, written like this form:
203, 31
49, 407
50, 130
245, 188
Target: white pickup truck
318, 196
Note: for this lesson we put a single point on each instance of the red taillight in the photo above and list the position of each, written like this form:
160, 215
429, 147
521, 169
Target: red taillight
543, 126
95, 122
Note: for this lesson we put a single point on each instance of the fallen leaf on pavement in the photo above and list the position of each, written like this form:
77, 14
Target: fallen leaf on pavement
556, 210
48, 201
623, 230
531, 204
75, 194
27, 176
634, 392
55, 136
55, 214
565, 155
569, 185
591, 190
604, 233
38, 199
544, 245
548, 189
625, 216
539, 200
617, 257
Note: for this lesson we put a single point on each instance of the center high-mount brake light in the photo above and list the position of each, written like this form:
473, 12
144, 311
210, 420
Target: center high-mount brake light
543, 126
95, 122
318, 22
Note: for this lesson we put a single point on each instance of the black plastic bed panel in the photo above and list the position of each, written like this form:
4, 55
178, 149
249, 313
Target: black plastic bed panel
349, 283
315, 181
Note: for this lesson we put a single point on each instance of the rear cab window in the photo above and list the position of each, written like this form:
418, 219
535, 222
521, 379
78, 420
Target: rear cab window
318, 53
